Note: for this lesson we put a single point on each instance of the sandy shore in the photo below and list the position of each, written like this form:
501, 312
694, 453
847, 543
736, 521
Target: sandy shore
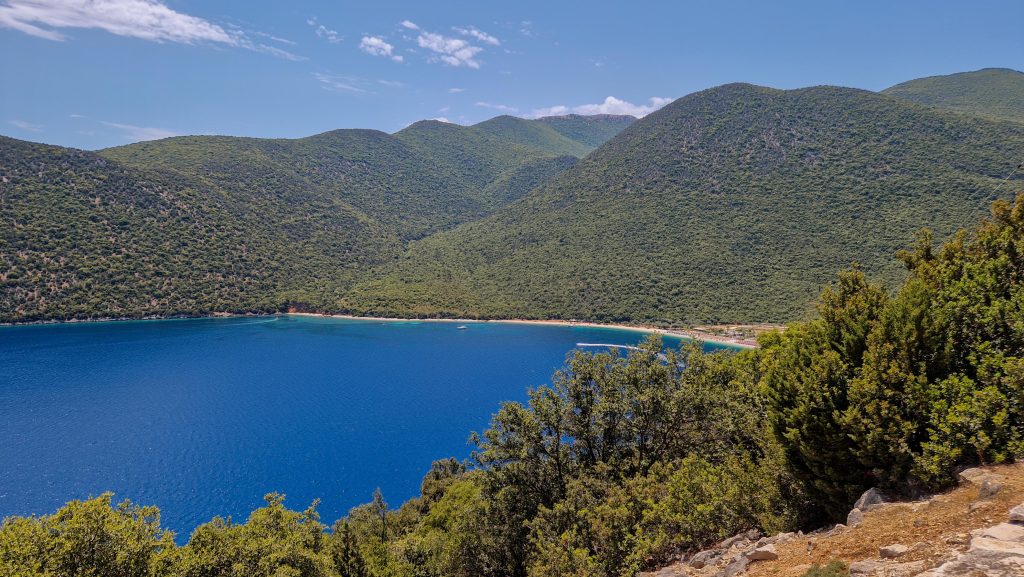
685, 334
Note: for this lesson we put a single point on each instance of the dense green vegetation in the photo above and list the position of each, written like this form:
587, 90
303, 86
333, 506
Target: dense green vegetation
621, 463
196, 225
592, 130
993, 92
734, 204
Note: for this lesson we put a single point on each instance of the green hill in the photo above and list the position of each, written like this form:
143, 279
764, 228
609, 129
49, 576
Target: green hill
993, 92
84, 236
202, 224
731, 204
592, 130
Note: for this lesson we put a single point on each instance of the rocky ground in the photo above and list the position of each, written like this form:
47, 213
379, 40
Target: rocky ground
976, 530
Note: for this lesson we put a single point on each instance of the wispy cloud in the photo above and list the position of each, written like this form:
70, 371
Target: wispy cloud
138, 133
409, 25
377, 46
442, 119
324, 32
391, 83
451, 51
480, 35
145, 19
339, 83
501, 107
25, 125
611, 105
456, 90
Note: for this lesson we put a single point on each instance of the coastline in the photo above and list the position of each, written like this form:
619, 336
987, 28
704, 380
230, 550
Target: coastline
689, 334
679, 333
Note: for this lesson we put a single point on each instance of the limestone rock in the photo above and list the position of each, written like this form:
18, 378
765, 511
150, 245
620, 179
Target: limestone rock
1002, 532
699, 560
855, 518
765, 553
989, 487
865, 567
1017, 514
735, 568
892, 551
971, 476
870, 499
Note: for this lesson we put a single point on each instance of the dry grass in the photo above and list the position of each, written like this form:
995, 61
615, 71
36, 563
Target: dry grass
939, 525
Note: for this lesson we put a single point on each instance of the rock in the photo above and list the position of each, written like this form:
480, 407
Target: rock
870, 499
699, 560
971, 476
989, 487
1002, 532
735, 568
904, 569
919, 522
990, 545
785, 537
865, 567
753, 535
855, 518
1017, 514
730, 541
765, 553
892, 551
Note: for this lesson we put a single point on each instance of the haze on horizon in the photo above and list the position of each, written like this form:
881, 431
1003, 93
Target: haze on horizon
98, 73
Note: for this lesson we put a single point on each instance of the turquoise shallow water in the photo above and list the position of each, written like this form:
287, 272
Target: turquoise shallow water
202, 417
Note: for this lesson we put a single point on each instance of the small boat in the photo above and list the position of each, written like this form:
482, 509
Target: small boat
462, 327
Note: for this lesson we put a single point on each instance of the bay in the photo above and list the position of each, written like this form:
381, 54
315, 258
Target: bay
202, 417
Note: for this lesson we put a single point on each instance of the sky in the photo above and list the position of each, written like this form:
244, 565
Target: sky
99, 73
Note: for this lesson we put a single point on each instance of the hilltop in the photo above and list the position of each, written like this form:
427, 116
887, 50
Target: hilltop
994, 92
734, 204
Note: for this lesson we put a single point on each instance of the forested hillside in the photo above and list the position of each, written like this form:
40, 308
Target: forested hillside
732, 204
994, 92
622, 464
204, 224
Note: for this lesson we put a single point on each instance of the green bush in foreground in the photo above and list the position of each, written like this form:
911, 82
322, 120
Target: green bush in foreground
833, 569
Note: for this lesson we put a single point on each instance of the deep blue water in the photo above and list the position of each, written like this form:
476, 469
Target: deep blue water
202, 417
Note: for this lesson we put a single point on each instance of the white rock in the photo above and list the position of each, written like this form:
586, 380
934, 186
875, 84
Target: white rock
870, 499
996, 546
1002, 532
1017, 514
855, 518
766, 553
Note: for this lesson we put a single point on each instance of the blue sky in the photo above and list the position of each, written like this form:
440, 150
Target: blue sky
97, 73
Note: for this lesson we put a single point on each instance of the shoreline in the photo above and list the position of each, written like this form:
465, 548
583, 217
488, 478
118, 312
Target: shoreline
678, 333
688, 334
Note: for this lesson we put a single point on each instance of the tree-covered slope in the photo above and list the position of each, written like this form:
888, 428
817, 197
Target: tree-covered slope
592, 130
993, 92
202, 224
732, 204
83, 236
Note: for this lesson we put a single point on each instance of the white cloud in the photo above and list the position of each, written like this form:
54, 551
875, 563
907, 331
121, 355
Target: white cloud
501, 107
391, 83
451, 51
611, 105
409, 25
479, 35
145, 19
25, 125
376, 46
137, 133
442, 119
456, 90
336, 83
277, 39
559, 110
324, 32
